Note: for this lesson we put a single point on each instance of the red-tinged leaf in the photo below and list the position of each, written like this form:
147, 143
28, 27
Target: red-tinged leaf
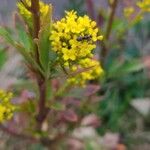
146, 61
55, 84
110, 140
121, 147
69, 115
74, 144
91, 89
24, 97
91, 120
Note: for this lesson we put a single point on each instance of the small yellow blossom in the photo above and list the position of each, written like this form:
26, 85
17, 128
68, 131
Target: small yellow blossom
91, 70
6, 107
73, 37
144, 5
26, 14
128, 11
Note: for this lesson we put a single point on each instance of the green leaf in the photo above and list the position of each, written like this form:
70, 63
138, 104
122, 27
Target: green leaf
21, 49
24, 38
44, 43
2, 57
6, 34
28, 57
120, 69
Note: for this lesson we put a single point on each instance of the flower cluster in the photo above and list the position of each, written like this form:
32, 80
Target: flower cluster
6, 107
144, 5
26, 14
128, 11
74, 38
90, 69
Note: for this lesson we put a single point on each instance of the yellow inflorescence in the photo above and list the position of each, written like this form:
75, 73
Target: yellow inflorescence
74, 38
128, 11
6, 107
144, 5
26, 14
91, 70
69, 37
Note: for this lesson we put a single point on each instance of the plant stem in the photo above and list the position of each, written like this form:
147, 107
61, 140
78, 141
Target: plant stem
111, 19
35, 10
90, 8
105, 50
36, 17
42, 109
41, 81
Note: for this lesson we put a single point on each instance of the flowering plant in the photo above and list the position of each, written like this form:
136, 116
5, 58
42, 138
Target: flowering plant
52, 50
59, 91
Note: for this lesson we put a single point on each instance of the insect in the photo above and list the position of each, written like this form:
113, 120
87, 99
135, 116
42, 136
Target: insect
82, 38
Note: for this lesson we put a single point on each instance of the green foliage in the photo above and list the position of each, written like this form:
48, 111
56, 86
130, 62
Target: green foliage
43, 43
24, 38
54, 108
125, 80
2, 57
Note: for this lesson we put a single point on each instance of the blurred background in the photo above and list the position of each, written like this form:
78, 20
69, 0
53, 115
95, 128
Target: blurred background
124, 95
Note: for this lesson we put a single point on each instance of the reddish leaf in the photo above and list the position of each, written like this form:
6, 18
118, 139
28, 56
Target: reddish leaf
110, 140
146, 61
74, 144
91, 120
24, 97
69, 115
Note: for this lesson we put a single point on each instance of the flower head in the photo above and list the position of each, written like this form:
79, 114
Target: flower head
128, 11
6, 107
73, 37
91, 70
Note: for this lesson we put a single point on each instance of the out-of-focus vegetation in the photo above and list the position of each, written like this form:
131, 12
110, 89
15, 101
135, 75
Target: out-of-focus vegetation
117, 104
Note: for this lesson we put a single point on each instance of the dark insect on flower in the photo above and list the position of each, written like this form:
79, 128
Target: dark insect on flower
82, 38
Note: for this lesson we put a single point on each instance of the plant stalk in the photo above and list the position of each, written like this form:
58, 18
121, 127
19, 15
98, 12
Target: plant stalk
41, 81
35, 10
105, 50
111, 19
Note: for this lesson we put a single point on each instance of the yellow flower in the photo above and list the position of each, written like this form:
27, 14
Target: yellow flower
144, 5
91, 70
128, 11
6, 107
73, 37
26, 14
